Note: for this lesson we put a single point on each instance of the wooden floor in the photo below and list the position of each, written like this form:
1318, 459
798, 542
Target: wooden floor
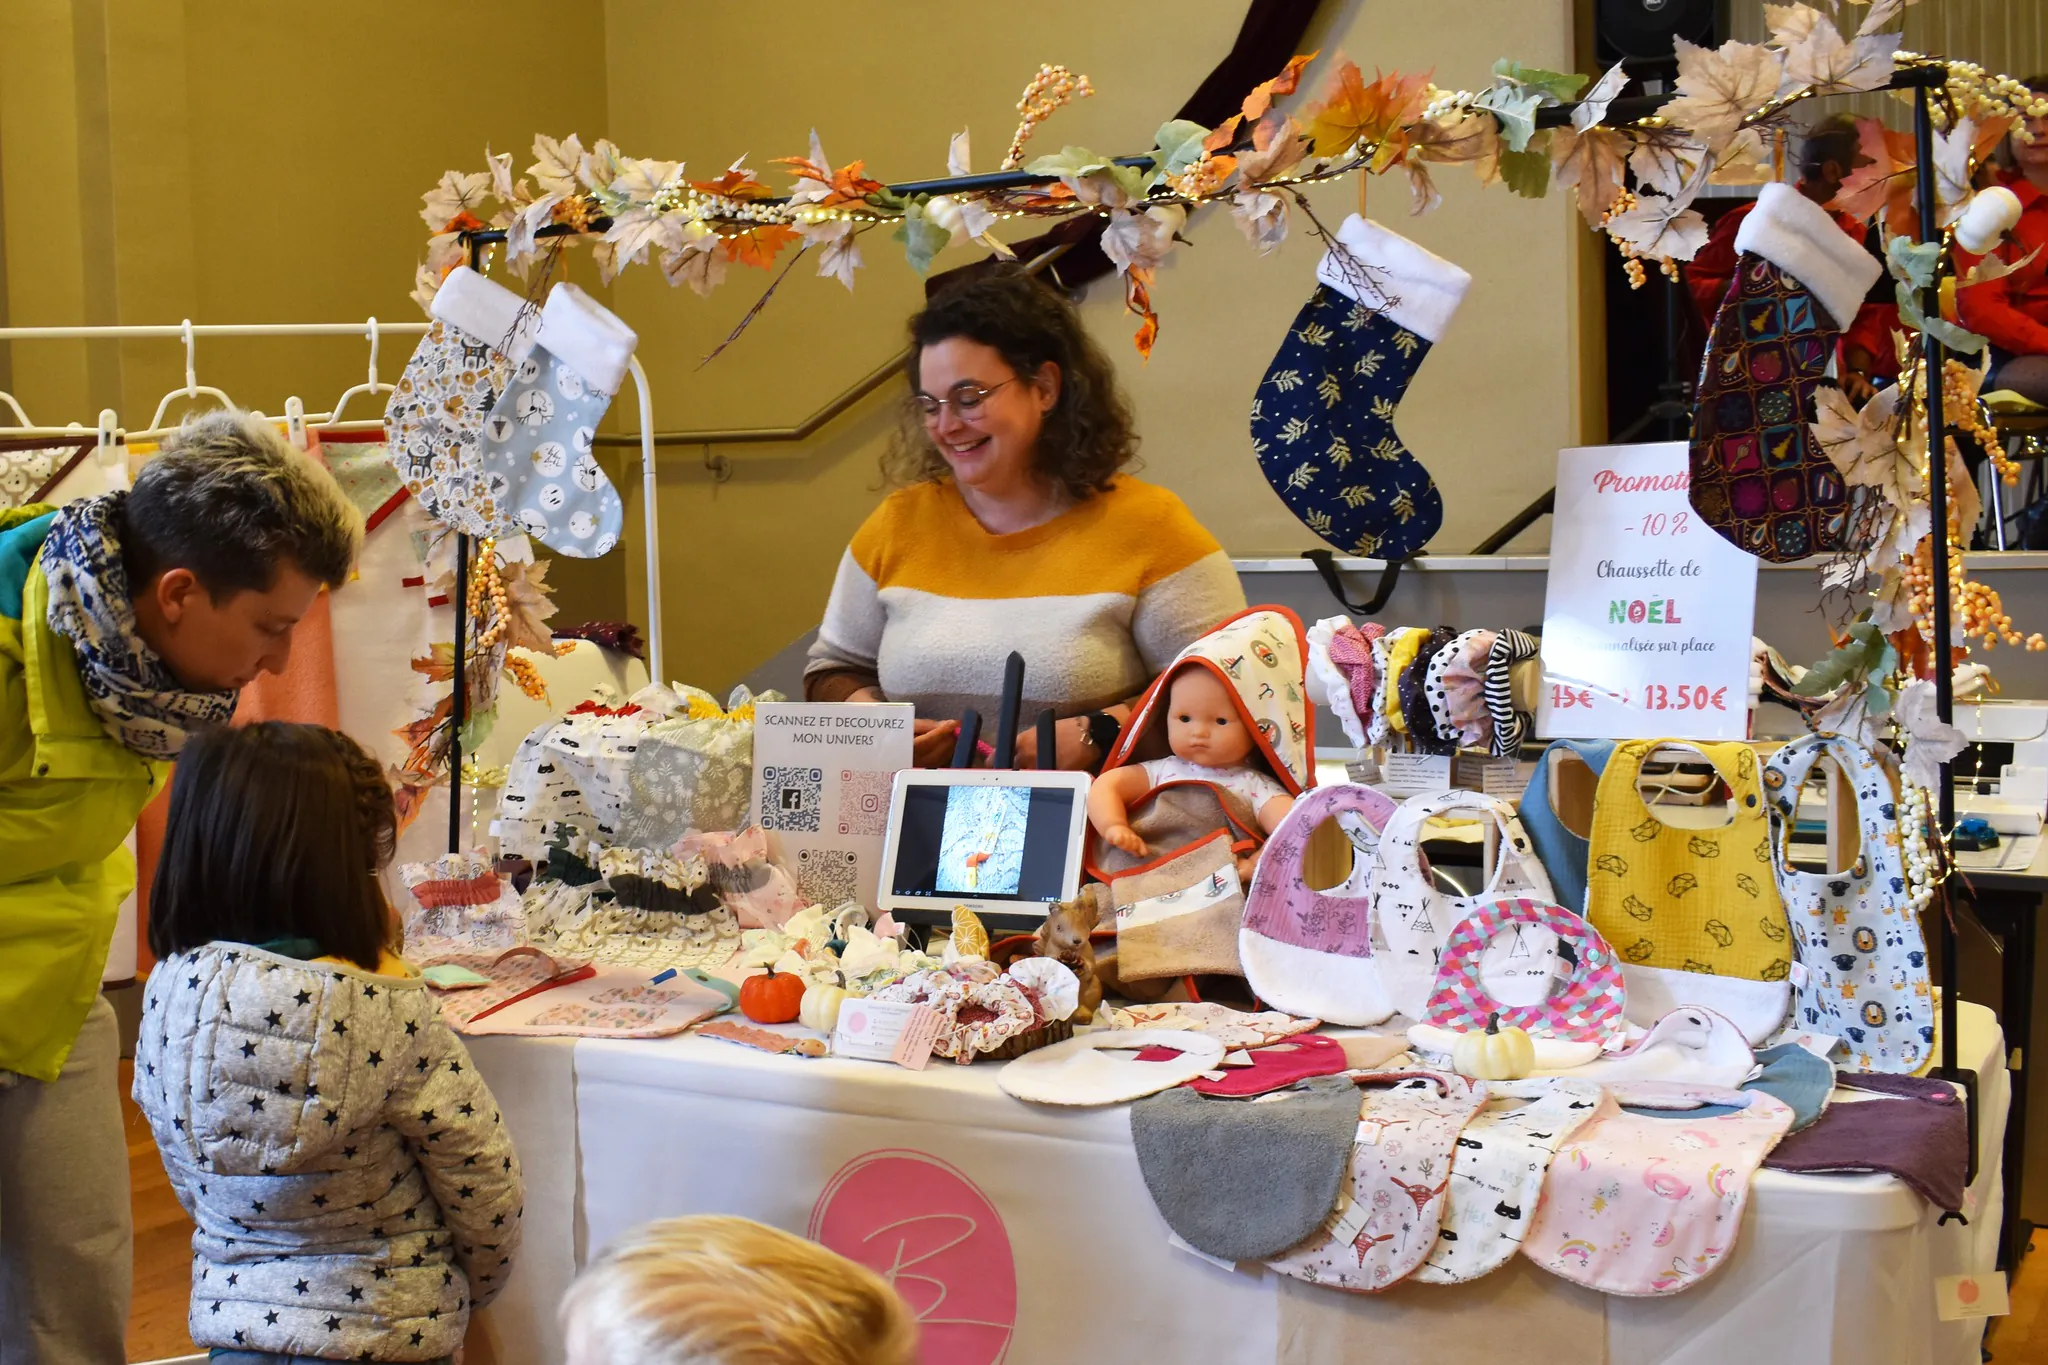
163, 1258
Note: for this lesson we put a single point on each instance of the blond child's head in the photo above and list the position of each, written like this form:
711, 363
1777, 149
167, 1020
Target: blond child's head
727, 1291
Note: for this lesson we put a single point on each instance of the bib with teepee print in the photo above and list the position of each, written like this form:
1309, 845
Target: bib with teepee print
1694, 912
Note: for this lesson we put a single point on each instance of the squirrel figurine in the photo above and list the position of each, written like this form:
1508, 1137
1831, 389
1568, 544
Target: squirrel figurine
1064, 937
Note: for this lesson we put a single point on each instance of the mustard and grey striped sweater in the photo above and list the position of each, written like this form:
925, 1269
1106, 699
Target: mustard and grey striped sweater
1098, 600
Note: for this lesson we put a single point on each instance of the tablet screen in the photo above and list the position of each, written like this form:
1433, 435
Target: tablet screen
982, 842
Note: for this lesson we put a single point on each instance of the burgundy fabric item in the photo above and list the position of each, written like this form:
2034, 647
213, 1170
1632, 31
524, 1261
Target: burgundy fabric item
1922, 1136
1158, 1054
1269, 38
1277, 1066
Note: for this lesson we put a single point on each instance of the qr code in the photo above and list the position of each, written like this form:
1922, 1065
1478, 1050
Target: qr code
827, 876
791, 798
864, 801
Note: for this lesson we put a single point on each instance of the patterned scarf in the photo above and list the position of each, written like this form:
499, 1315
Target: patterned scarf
129, 686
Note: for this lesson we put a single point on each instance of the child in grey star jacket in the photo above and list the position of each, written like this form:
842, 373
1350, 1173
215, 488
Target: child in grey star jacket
355, 1190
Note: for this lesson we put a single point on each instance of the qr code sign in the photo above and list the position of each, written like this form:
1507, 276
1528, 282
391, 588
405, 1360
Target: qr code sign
864, 801
791, 799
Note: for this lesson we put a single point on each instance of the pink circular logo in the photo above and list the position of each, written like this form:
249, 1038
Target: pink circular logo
929, 1231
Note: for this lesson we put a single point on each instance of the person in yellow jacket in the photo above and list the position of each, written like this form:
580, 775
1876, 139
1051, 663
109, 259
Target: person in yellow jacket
127, 622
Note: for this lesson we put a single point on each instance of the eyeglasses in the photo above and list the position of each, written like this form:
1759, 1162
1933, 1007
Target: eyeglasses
966, 401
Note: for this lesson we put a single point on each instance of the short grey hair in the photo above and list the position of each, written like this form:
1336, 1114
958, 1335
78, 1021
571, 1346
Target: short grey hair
230, 499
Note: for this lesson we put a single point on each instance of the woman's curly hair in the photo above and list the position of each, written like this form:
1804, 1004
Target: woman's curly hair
1088, 437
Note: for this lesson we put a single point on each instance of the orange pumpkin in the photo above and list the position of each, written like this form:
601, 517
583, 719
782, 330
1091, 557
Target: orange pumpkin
772, 997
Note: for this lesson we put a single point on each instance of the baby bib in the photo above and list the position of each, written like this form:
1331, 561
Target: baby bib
1535, 965
1411, 919
1310, 951
1497, 1173
1408, 1128
1866, 962
1650, 1206
1694, 913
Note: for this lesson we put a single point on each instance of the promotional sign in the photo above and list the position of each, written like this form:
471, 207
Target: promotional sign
1648, 613
822, 775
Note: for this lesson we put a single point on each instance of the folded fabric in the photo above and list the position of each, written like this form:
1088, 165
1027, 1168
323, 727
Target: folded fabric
1692, 1045
1408, 1126
1920, 1133
1106, 1067
1497, 1173
1232, 1028
1246, 1181
1276, 1067
1642, 1205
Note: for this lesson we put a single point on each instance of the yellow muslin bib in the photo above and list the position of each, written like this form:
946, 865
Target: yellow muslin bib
1694, 913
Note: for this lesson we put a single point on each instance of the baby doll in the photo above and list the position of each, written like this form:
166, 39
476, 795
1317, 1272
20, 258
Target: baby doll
1210, 743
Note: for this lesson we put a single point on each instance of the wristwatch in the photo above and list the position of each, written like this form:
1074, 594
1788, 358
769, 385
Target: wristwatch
1101, 731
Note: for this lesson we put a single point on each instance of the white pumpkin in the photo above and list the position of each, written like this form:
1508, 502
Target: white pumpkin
820, 1007
1498, 1054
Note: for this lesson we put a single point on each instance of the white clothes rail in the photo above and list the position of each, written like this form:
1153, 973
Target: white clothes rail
186, 331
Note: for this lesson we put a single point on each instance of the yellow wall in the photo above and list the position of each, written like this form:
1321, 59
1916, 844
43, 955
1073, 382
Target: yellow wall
264, 163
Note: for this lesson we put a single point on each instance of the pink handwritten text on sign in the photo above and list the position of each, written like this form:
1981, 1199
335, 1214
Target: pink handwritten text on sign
927, 1229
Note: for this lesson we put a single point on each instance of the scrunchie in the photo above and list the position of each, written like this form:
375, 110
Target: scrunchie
1510, 726
1352, 655
1415, 708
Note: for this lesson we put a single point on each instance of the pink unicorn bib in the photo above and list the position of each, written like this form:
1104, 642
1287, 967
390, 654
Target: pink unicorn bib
1648, 1206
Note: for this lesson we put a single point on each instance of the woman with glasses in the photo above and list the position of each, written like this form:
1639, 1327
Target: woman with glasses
1015, 528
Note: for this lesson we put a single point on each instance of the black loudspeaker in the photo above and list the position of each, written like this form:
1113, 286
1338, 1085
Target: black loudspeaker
1642, 32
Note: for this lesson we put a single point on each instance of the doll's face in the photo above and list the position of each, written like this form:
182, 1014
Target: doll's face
1202, 724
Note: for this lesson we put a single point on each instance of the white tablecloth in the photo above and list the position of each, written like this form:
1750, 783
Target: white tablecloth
1025, 1234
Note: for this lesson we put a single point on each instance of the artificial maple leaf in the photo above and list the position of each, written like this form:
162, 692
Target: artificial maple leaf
758, 246
427, 737
841, 254
1593, 108
640, 180
1720, 87
959, 155
637, 229
501, 174
1741, 161
1141, 240
1930, 740
817, 183
1355, 112
1882, 12
520, 240
527, 606
1262, 216
409, 797
1286, 83
1593, 160
1884, 182
1467, 139
1423, 195
599, 166
1223, 134
1664, 159
1891, 610
554, 163
1278, 145
1138, 300
697, 262
457, 195
1820, 59
737, 183
1661, 228
437, 664
1864, 444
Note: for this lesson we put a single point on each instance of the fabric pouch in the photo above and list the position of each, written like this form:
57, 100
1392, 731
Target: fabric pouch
1179, 917
1244, 1180
459, 904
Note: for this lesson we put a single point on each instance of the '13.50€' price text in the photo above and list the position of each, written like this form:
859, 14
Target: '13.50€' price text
1656, 697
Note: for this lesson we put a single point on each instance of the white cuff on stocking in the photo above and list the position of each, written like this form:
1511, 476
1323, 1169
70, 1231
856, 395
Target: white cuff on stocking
485, 310
587, 337
1421, 290
1802, 239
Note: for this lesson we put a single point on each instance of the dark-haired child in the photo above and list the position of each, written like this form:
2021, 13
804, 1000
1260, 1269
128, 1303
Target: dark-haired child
354, 1190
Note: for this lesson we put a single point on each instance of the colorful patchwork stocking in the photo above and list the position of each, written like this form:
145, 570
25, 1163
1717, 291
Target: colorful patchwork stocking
1758, 475
480, 331
540, 434
1323, 422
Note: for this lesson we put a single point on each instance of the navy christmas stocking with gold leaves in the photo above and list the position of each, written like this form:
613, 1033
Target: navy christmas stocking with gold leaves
1322, 423
1759, 477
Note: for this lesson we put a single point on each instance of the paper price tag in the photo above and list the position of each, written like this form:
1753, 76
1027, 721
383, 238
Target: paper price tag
886, 1031
1415, 774
1347, 1220
1971, 1296
1182, 1245
1799, 975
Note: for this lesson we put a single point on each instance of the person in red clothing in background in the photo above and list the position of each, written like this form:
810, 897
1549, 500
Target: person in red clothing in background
1827, 153
2012, 311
